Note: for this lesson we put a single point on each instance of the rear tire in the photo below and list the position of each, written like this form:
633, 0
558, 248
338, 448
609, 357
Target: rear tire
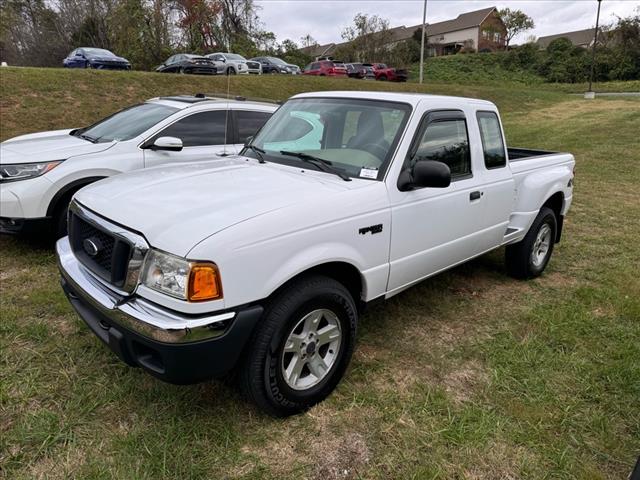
301, 348
382, 78
529, 257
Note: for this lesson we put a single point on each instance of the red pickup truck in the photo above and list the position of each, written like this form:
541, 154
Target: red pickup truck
383, 72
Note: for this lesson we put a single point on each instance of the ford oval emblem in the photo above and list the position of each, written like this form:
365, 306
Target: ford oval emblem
91, 246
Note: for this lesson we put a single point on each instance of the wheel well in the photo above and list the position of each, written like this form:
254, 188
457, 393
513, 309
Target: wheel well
64, 195
555, 203
342, 272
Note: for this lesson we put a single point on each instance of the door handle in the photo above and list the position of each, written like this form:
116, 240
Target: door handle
475, 195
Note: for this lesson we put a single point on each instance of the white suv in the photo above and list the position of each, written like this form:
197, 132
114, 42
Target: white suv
232, 64
40, 172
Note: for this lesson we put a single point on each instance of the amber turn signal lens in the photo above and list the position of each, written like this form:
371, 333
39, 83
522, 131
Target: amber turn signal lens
204, 283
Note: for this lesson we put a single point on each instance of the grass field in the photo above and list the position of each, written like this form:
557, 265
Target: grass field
469, 375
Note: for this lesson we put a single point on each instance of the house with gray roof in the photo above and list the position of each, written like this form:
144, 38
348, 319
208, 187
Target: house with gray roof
579, 38
477, 31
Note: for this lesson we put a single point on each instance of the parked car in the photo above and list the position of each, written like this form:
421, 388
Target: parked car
360, 71
98, 58
262, 263
232, 64
276, 65
384, 73
326, 68
41, 171
188, 63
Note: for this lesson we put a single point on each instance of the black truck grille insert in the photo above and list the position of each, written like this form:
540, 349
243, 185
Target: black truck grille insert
104, 254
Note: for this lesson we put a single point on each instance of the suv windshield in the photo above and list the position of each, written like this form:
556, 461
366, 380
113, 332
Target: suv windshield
233, 56
126, 124
277, 61
357, 137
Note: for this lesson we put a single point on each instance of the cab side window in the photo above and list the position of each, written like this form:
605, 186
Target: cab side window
444, 140
199, 129
492, 143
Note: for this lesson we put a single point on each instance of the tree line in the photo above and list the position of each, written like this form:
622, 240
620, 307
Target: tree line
146, 32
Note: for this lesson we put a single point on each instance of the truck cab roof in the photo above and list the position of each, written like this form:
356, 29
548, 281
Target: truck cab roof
409, 97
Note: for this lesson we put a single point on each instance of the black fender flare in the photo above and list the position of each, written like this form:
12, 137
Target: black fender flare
69, 188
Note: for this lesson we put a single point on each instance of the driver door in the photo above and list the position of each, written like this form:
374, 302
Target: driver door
435, 228
203, 138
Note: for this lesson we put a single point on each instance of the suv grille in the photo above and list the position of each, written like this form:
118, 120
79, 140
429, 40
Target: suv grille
101, 252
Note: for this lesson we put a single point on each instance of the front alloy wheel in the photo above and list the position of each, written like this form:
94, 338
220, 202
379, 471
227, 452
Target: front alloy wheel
311, 349
301, 347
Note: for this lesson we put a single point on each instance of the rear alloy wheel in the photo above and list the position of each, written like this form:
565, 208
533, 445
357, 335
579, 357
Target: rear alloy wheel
529, 257
301, 348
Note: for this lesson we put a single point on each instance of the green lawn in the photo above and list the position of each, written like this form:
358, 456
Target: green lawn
469, 375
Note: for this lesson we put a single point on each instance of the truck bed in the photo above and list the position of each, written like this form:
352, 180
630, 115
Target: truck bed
517, 154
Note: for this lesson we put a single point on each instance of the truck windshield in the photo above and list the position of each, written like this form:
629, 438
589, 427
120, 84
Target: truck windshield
357, 137
126, 124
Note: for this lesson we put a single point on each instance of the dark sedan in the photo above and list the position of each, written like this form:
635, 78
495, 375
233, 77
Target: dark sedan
100, 58
277, 65
188, 63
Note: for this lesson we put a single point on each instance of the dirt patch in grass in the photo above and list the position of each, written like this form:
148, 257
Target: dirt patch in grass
463, 381
341, 457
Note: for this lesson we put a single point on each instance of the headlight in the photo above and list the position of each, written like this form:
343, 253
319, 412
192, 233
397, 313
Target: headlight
180, 278
22, 171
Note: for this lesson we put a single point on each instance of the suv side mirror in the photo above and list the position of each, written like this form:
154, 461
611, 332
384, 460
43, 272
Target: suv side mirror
171, 144
425, 173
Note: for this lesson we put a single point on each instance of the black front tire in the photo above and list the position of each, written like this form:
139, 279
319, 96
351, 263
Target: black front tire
261, 377
60, 221
519, 256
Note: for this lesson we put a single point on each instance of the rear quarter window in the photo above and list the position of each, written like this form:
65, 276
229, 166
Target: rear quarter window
492, 142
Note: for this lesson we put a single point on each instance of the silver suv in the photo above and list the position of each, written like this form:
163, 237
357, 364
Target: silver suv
232, 64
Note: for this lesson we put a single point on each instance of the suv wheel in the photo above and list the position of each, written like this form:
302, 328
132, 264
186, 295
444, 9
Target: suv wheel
301, 348
529, 257
231, 71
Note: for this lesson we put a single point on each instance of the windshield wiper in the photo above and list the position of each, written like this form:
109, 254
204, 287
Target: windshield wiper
88, 138
321, 163
259, 152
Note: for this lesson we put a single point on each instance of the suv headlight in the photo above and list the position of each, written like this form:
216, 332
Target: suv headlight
180, 278
22, 171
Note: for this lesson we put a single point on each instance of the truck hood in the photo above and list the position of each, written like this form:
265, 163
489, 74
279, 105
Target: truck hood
177, 206
47, 146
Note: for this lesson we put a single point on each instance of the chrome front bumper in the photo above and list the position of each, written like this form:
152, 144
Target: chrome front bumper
134, 313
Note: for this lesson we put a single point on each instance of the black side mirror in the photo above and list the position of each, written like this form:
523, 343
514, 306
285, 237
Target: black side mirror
425, 173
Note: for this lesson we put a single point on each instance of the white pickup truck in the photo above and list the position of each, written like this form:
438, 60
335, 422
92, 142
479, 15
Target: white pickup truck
260, 263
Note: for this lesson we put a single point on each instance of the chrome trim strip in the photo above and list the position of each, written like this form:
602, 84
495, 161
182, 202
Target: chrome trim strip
135, 313
139, 246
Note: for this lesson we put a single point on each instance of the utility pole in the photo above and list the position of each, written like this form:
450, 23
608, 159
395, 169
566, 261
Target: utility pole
595, 41
424, 28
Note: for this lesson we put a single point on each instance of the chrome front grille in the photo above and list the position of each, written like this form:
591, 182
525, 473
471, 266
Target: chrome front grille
111, 252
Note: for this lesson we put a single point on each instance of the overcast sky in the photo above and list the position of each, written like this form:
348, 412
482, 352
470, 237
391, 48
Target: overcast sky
325, 19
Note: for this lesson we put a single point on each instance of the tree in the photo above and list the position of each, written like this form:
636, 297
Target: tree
515, 21
367, 39
308, 41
